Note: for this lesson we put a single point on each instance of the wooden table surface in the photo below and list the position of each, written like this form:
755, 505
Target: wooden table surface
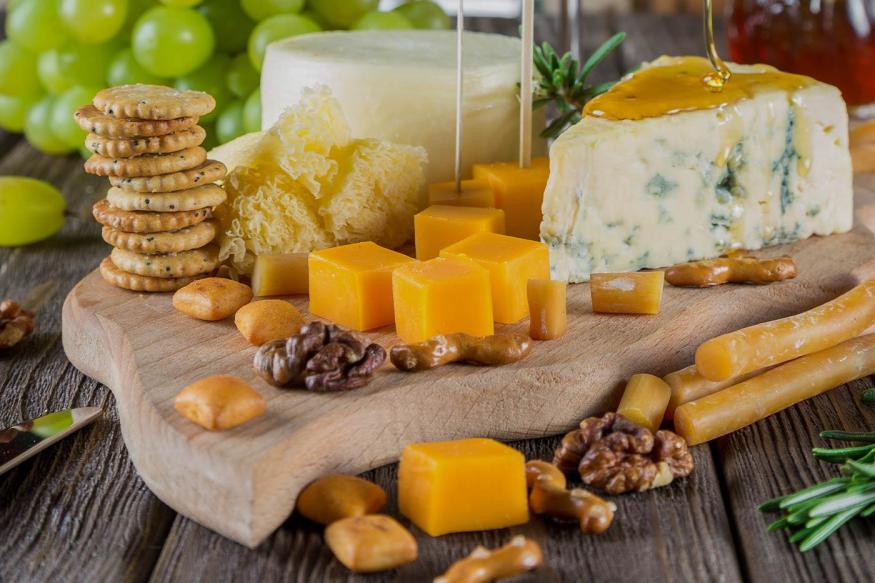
78, 512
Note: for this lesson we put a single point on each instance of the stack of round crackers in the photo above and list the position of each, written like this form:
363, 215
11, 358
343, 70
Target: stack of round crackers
157, 215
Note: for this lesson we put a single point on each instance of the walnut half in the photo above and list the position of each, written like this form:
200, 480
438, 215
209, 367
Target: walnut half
15, 324
615, 455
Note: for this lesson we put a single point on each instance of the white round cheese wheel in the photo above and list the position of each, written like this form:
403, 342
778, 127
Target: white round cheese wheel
400, 85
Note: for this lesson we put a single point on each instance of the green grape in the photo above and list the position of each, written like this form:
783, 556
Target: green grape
36, 25
230, 123
17, 70
277, 28
64, 126
258, 10
30, 210
38, 128
125, 70
242, 76
181, 3
48, 69
136, 9
73, 64
13, 110
170, 42
342, 13
211, 79
93, 21
252, 112
382, 21
231, 25
424, 14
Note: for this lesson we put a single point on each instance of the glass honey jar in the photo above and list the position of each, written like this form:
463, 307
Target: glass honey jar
830, 40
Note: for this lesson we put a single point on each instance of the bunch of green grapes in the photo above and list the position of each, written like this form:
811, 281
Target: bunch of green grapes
58, 53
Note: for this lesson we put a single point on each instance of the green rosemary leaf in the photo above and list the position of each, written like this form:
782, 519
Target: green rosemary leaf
778, 524
841, 454
771, 505
827, 528
810, 527
599, 55
869, 511
869, 395
867, 470
842, 502
561, 80
822, 489
849, 436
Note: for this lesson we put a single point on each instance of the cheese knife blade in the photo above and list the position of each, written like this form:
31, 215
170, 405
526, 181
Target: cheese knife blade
25, 440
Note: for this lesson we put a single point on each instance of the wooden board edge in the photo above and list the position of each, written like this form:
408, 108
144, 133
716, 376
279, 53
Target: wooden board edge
151, 441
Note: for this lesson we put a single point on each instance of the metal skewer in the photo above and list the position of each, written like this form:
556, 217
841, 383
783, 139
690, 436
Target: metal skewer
528, 34
460, 29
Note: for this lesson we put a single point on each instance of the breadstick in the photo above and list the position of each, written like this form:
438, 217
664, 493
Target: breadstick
774, 390
688, 385
770, 343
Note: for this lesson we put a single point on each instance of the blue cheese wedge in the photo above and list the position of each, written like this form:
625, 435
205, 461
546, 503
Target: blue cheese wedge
661, 171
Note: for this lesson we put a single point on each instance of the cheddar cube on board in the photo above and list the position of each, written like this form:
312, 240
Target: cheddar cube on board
280, 275
463, 485
519, 192
351, 285
442, 225
441, 296
511, 263
638, 292
476, 193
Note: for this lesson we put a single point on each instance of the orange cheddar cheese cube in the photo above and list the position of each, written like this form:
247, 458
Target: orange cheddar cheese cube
280, 275
351, 285
476, 193
519, 192
511, 263
442, 225
441, 296
462, 485
627, 293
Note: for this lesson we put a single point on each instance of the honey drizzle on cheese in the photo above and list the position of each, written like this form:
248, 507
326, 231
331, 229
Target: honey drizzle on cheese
678, 87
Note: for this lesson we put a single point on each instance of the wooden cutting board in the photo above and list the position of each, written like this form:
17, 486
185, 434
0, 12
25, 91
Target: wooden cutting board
243, 483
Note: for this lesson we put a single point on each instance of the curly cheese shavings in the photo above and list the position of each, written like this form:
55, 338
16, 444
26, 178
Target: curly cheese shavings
311, 186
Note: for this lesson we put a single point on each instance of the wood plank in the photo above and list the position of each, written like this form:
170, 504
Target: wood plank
782, 444
78, 509
678, 533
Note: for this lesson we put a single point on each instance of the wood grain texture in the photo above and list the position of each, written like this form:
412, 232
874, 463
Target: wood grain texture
146, 352
77, 508
650, 521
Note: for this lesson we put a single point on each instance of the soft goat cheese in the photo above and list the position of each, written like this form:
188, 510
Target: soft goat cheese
630, 194
400, 86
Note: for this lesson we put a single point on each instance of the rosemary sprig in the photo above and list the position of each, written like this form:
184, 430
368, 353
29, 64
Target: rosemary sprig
562, 81
813, 514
